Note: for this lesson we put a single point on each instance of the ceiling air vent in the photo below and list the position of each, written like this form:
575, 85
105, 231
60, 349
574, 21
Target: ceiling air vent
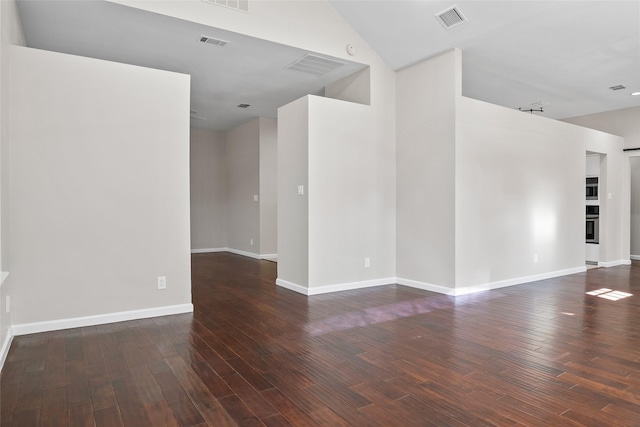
244, 105
618, 87
212, 41
314, 64
241, 5
451, 17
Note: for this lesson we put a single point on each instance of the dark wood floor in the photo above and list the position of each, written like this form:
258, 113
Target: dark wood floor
253, 354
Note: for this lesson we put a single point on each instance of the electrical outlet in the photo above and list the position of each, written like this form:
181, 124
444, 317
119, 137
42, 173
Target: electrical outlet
162, 282
251, 242
255, 197
367, 262
300, 190
7, 305
535, 258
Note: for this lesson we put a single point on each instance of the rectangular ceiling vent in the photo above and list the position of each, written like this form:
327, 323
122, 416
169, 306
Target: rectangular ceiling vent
241, 5
618, 87
451, 17
212, 41
314, 64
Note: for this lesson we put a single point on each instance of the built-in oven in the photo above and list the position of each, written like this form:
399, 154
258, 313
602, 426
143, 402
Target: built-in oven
592, 188
592, 223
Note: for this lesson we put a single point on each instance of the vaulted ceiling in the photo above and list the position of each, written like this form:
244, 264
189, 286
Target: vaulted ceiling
561, 55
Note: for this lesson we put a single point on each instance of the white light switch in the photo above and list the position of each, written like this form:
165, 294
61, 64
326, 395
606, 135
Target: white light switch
610, 196
255, 197
300, 190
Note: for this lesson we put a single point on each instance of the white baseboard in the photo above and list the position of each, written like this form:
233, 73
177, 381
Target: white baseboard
6, 345
465, 290
234, 251
101, 319
614, 263
635, 257
317, 290
207, 250
461, 290
243, 253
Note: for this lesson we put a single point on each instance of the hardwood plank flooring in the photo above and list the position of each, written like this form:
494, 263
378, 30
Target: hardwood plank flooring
253, 354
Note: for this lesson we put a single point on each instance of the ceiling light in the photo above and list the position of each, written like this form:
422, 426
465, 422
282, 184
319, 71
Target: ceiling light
635, 93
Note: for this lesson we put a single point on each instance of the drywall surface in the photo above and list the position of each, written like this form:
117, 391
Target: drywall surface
520, 195
624, 122
426, 112
293, 179
635, 206
99, 187
268, 186
243, 187
10, 34
208, 170
344, 196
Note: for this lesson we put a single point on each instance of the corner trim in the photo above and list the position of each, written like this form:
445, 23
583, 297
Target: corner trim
100, 319
6, 345
614, 263
634, 257
268, 256
293, 286
3, 277
426, 286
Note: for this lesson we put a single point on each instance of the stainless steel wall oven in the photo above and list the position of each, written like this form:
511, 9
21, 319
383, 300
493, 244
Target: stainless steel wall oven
592, 188
593, 224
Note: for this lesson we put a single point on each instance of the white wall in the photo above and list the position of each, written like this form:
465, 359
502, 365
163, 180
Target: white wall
227, 170
243, 181
10, 34
99, 187
208, 189
268, 186
345, 196
293, 208
635, 207
426, 107
502, 190
325, 234
624, 122
520, 195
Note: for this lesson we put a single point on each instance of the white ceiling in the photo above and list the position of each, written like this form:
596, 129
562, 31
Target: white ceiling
245, 71
516, 53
